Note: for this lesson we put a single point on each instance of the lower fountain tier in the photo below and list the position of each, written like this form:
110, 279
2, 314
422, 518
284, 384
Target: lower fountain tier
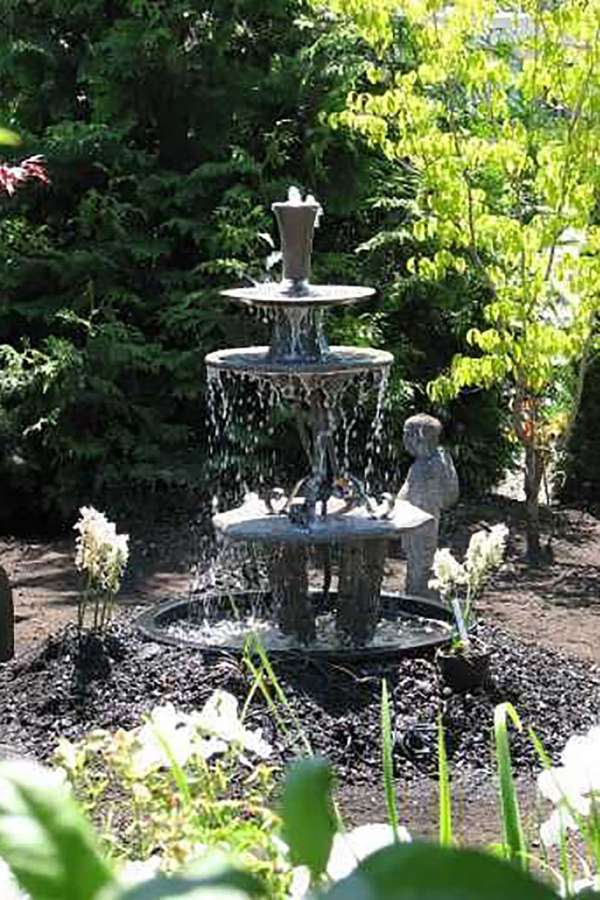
253, 522
338, 363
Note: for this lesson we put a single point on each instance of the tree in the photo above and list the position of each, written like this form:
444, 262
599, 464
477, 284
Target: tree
168, 130
498, 119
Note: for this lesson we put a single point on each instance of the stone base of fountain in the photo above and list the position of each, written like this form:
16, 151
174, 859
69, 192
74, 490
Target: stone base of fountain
406, 626
252, 521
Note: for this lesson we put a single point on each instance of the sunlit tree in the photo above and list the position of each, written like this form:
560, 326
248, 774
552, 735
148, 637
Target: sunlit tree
497, 116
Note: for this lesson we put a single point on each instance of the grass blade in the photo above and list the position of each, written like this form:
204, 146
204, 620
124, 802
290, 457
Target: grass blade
267, 668
514, 838
445, 795
388, 762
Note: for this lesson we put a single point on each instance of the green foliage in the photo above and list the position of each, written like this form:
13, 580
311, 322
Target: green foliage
47, 841
308, 815
425, 871
387, 747
514, 839
498, 126
169, 784
168, 131
446, 835
50, 847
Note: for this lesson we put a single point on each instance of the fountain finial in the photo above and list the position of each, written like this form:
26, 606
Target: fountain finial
296, 219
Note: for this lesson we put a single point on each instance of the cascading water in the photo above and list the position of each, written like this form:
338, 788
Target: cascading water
300, 567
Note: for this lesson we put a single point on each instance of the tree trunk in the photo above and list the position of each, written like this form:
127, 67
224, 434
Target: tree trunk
534, 470
7, 619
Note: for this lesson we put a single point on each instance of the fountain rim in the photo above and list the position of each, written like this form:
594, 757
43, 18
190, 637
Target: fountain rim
147, 624
271, 294
358, 359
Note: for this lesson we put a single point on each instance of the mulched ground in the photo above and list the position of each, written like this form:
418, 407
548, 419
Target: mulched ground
543, 623
67, 689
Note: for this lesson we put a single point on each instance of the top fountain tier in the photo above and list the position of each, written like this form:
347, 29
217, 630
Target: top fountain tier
297, 220
276, 295
296, 305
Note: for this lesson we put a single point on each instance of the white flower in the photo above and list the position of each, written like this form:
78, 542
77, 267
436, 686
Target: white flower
563, 785
347, 851
589, 883
9, 889
586, 884
559, 822
134, 871
165, 736
170, 734
573, 787
219, 717
352, 847
582, 755
448, 572
484, 554
100, 552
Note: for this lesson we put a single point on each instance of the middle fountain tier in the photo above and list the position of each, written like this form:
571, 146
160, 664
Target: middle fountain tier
328, 516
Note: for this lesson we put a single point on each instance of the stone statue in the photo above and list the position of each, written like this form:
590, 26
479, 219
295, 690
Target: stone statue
432, 485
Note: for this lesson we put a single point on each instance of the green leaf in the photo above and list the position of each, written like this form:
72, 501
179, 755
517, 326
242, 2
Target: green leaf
307, 813
230, 884
421, 871
388, 764
9, 138
445, 797
514, 838
44, 837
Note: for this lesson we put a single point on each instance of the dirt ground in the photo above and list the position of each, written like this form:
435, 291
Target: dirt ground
556, 605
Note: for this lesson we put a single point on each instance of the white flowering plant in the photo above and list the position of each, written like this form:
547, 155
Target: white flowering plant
211, 839
573, 789
101, 556
460, 584
178, 785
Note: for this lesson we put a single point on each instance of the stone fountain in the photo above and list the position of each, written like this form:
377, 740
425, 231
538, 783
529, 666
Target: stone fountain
328, 520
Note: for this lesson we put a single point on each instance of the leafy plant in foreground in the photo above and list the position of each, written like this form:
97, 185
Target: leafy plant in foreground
54, 856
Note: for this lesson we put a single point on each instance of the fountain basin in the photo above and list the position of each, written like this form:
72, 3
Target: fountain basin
408, 626
253, 522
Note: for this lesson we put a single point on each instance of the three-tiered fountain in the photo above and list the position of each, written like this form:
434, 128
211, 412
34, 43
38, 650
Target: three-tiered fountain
324, 542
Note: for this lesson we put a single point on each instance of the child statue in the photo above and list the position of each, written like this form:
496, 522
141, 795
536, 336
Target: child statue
432, 485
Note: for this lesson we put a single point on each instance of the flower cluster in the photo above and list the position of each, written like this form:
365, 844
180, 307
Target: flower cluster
101, 553
573, 788
173, 735
453, 579
484, 554
169, 737
11, 177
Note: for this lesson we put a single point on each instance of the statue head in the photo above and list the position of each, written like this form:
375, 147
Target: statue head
422, 435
